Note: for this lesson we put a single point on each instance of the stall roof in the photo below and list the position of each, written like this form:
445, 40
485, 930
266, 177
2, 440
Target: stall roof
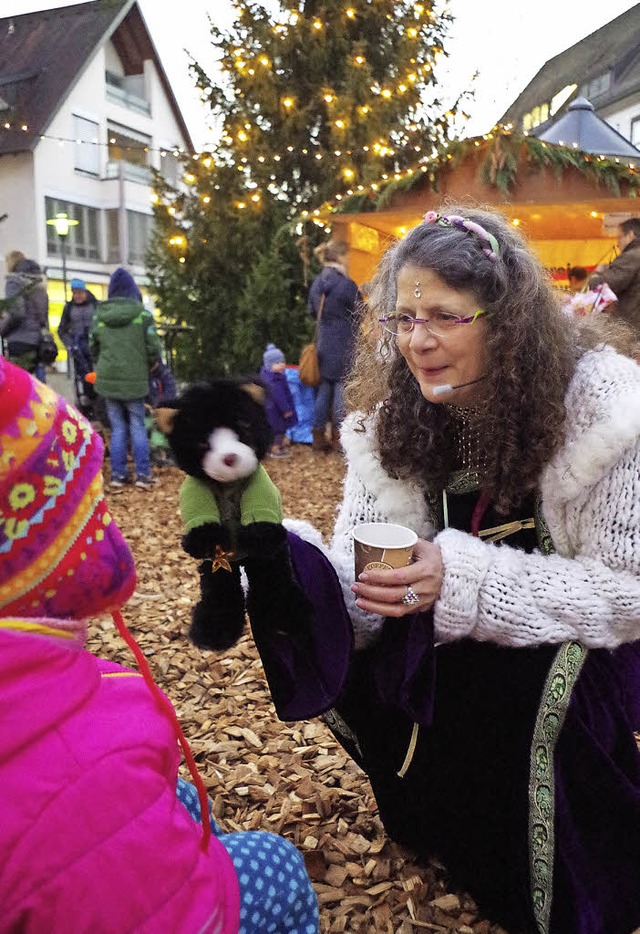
581, 127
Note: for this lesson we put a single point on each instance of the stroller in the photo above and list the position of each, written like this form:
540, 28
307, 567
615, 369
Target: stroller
86, 398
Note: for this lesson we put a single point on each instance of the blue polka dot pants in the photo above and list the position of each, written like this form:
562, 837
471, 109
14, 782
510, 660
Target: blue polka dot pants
276, 896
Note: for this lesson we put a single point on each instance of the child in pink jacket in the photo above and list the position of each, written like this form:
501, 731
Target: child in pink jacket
93, 837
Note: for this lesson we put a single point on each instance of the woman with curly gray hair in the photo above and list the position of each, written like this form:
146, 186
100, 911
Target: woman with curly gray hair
494, 686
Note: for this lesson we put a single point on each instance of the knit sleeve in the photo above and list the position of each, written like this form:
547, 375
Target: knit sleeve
261, 501
197, 504
499, 594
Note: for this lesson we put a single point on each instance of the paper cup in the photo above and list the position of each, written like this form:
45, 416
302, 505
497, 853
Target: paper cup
382, 545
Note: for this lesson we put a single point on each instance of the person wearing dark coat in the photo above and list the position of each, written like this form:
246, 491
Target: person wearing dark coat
279, 404
27, 311
333, 301
623, 274
74, 331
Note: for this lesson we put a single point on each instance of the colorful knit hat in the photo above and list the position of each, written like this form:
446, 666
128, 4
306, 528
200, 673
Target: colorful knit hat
61, 553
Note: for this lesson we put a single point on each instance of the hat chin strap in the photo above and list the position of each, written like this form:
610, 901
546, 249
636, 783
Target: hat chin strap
165, 704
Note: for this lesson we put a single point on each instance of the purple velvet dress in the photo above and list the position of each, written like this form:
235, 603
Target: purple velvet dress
525, 779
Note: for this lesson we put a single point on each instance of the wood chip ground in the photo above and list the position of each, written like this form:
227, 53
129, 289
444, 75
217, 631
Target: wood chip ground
263, 774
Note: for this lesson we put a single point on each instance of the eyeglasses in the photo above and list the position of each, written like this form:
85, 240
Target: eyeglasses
439, 324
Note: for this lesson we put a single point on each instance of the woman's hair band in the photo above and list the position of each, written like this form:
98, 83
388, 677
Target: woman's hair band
489, 244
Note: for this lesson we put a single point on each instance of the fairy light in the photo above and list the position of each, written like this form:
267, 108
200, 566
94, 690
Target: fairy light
328, 98
351, 13
317, 24
287, 102
359, 59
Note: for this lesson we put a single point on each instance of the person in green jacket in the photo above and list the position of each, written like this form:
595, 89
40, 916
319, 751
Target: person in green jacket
125, 346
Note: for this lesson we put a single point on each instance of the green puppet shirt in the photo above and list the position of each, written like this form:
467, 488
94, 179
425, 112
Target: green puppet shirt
254, 499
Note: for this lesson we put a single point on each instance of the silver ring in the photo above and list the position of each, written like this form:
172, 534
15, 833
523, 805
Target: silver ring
411, 598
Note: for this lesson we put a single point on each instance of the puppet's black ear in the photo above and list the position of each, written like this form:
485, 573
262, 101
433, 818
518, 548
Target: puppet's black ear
254, 390
164, 419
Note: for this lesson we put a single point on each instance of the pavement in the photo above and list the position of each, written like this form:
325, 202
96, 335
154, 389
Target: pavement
61, 384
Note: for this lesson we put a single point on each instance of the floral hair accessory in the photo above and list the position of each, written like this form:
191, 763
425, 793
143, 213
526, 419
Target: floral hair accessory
490, 246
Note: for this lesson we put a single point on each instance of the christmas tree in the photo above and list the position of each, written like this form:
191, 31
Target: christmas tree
314, 100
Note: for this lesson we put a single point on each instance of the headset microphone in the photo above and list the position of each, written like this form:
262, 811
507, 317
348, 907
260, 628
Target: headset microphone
446, 388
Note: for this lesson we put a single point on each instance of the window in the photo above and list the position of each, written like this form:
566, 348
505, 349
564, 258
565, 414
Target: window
131, 148
113, 236
83, 241
87, 148
535, 117
561, 98
635, 131
596, 86
170, 168
139, 227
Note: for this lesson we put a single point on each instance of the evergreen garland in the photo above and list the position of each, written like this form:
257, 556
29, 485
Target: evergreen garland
504, 155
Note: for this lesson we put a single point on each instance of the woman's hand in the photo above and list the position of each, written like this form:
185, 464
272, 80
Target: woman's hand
382, 592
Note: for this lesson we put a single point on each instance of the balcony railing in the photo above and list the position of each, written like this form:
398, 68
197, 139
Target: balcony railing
132, 172
120, 94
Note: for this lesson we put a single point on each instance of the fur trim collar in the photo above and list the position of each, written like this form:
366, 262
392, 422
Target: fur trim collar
397, 500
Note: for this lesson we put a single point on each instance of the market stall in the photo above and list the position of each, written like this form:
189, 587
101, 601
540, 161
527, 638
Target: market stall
567, 202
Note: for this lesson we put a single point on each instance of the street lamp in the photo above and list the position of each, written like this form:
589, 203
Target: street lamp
63, 224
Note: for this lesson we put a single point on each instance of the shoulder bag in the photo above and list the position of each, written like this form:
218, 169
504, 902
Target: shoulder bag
47, 347
309, 367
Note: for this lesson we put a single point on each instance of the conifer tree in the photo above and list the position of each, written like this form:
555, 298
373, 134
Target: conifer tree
314, 98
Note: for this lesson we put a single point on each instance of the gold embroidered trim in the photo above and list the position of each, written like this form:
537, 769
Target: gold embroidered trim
498, 532
413, 742
337, 724
556, 694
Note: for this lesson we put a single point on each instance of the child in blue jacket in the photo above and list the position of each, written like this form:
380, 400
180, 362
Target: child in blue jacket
279, 405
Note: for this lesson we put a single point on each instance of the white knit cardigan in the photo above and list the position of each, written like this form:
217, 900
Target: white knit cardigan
589, 591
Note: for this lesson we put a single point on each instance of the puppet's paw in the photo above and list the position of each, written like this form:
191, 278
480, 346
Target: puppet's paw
262, 539
202, 541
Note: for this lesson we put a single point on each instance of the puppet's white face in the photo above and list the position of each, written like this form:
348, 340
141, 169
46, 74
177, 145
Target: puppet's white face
228, 459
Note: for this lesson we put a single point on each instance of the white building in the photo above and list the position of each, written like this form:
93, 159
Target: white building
86, 110
604, 67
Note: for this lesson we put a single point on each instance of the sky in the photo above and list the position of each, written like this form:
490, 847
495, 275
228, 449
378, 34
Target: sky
505, 41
